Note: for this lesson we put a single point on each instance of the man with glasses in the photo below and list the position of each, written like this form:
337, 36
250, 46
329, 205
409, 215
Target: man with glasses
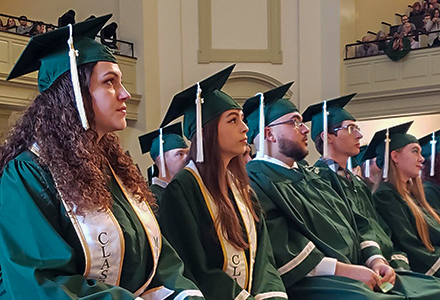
319, 248
343, 142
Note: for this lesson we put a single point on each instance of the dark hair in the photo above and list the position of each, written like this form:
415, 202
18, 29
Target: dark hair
23, 18
319, 143
433, 12
217, 185
427, 168
77, 161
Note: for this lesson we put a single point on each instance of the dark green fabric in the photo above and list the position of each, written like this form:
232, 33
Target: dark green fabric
425, 143
397, 141
359, 197
187, 224
401, 221
40, 253
300, 206
272, 111
157, 190
432, 194
170, 142
49, 52
396, 55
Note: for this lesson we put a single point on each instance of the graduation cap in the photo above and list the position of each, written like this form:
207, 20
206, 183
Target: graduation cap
264, 108
334, 113
55, 52
162, 140
387, 140
430, 147
199, 104
357, 160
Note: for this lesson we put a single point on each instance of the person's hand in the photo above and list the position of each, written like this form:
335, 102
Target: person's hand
357, 272
434, 20
380, 267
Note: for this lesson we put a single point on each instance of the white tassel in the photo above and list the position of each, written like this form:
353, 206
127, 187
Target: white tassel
349, 164
387, 155
161, 154
325, 121
75, 80
199, 129
260, 152
367, 168
433, 147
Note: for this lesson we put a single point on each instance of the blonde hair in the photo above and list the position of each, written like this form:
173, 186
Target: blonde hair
413, 194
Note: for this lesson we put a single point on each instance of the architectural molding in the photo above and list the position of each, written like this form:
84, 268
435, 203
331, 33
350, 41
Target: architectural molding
272, 54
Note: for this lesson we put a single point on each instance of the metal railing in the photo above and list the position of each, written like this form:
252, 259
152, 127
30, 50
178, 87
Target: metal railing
124, 48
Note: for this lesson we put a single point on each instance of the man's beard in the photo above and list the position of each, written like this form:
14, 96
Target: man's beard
292, 149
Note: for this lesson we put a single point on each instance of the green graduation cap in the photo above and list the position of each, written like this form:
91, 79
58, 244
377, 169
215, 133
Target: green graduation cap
356, 160
53, 53
199, 104
387, 140
430, 147
335, 113
273, 105
162, 140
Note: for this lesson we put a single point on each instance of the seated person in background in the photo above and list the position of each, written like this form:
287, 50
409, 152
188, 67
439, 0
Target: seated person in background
400, 198
24, 27
37, 28
170, 158
2, 27
431, 168
381, 41
367, 48
434, 25
344, 142
408, 32
11, 26
404, 19
50, 27
434, 4
320, 251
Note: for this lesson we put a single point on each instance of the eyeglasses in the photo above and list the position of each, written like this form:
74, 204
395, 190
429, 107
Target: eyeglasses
351, 128
295, 122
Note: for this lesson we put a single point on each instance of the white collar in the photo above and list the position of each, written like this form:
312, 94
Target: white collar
277, 162
159, 182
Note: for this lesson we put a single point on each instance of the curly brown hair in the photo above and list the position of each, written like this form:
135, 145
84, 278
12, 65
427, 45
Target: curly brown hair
76, 159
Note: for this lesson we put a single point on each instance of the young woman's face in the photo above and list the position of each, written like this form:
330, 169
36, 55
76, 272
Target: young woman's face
108, 97
409, 160
11, 22
232, 131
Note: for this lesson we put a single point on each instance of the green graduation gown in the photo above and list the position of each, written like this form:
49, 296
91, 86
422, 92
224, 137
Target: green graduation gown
402, 223
157, 191
432, 194
359, 197
308, 221
41, 256
186, 222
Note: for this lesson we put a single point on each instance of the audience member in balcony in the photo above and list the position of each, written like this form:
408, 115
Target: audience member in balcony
2, 27
434, 4
426, 18
24, 27
434, 25
381, 41
38, 28
408, 32
11, 26
416, 10
404, 19
366, 48
50, 27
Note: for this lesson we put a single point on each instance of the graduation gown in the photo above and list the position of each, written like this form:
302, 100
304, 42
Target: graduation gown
402, 223
187, 223
432, 194
41, 256
157, 191
308, 221
360, 199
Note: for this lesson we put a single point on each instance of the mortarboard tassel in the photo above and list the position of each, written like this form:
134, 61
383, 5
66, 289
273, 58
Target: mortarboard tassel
367, 168
433, 147
325, 124
387, 155
199, 102
161, 154
260, 153
349, 164
75, 80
